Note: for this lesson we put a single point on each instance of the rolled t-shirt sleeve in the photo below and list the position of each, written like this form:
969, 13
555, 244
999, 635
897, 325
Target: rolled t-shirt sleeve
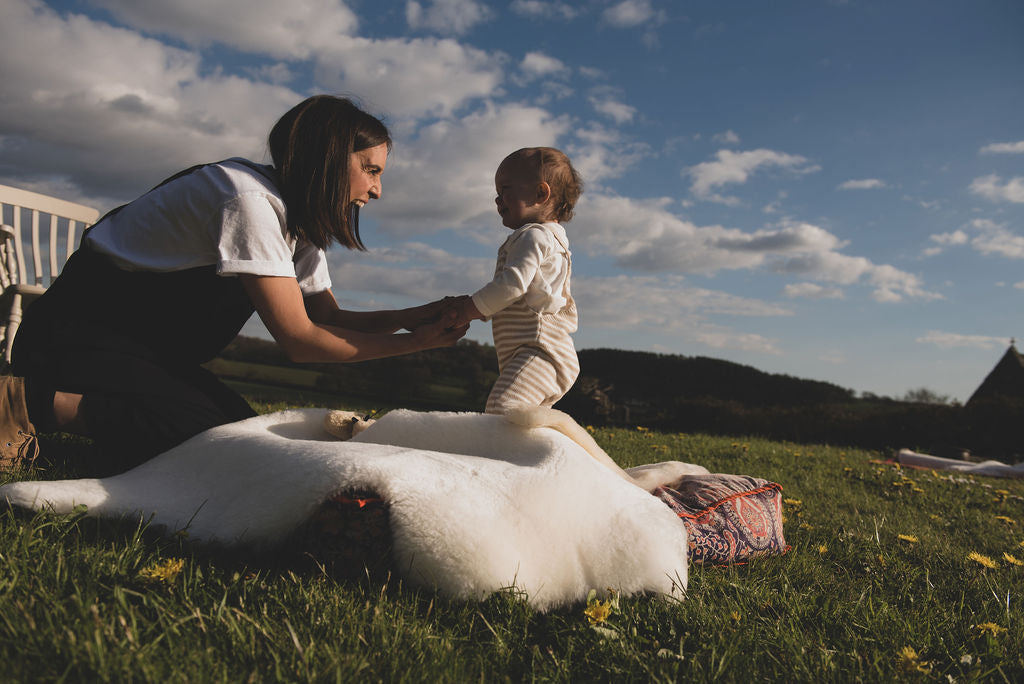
524, 254
311, 269
254, 240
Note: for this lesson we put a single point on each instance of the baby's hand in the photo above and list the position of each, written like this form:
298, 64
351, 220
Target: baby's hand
454, 313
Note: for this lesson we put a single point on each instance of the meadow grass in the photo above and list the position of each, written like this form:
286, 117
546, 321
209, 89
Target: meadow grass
894, 574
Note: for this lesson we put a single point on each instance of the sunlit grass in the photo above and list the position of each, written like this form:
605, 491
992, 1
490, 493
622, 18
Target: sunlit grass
883, 582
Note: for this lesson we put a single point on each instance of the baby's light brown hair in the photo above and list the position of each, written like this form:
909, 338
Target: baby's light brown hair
554, 168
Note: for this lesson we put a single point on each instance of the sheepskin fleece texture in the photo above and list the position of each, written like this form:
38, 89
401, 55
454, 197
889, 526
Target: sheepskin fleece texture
476, 503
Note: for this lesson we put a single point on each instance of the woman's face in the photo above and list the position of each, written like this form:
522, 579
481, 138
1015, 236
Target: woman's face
364, 171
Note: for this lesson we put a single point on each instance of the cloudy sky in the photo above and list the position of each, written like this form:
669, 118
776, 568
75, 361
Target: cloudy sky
825, 188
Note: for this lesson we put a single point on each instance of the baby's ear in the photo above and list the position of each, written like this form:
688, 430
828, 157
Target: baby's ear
543, 192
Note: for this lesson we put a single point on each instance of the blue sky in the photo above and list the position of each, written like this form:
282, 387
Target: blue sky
833, 190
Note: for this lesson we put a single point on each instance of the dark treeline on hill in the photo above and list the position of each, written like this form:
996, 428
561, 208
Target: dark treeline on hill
679, 393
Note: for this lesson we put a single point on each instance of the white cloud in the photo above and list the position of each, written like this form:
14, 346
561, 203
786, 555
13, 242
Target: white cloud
943, 240
413, 270
601, 153
812, 291
947, 340
864, 184
957, 237
443, 175
892, 285
115, 111
1019, 285
543, 9
295, 29
726, 138
989, 187
630, 13
996, 238
1004, 148
147, 109
730, 168
409, 78
617, 111
658, 241
743, 341
538, 65
665, 302
453, 17
418, 272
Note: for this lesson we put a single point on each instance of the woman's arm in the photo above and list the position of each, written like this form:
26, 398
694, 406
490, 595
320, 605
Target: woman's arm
315, 336
322, 308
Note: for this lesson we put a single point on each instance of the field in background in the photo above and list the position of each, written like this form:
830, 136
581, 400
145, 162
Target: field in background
894, 574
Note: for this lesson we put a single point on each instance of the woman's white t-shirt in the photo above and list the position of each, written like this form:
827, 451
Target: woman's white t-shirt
226, 214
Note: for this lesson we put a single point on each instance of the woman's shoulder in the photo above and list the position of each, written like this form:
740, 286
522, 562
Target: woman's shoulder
236, 176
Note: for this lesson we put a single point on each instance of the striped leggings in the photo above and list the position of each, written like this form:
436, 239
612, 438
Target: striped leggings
528, 378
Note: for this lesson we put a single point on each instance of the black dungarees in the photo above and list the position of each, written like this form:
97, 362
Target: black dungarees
131, 343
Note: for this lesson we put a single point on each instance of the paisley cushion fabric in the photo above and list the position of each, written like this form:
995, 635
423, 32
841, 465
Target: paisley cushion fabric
728, 518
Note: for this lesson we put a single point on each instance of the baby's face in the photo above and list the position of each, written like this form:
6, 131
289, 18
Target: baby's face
520, 198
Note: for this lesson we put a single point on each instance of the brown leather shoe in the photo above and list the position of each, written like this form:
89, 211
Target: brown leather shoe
18, 443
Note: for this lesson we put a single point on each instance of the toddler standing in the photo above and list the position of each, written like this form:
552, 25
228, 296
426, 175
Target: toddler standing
529, 300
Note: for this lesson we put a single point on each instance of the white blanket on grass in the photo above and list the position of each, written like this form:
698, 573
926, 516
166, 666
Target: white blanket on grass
990, 468
476, 503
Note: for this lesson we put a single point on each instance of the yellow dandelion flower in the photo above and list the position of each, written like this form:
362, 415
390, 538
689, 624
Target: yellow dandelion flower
918, 490
1021, 545
847, 469
909, 661
982, 560
823, 549
163, 572
1006, 519
898, 483
736, 617
597, 611
989, 628
1002, 492
907, 538
1012, 560
641, 428
792, 502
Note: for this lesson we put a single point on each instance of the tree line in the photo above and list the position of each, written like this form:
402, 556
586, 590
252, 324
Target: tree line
685, 394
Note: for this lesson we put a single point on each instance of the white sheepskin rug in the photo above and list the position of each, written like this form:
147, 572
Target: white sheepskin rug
477, 503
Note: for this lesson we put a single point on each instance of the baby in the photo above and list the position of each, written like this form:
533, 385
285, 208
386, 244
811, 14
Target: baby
528, 300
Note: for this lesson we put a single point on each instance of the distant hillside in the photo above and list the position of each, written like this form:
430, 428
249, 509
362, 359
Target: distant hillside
665, 391
644, 376
607, 375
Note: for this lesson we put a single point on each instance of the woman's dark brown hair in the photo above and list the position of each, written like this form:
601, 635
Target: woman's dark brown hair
310, 146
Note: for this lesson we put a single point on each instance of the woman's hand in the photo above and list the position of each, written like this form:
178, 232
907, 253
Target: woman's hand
416, 316
440, 333
308, 330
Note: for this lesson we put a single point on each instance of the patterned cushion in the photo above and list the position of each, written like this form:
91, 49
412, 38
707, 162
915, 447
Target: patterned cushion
728, 518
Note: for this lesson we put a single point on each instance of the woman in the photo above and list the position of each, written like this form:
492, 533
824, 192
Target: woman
161, 285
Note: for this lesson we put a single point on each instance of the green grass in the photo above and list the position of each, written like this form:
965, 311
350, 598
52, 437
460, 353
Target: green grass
842, 605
